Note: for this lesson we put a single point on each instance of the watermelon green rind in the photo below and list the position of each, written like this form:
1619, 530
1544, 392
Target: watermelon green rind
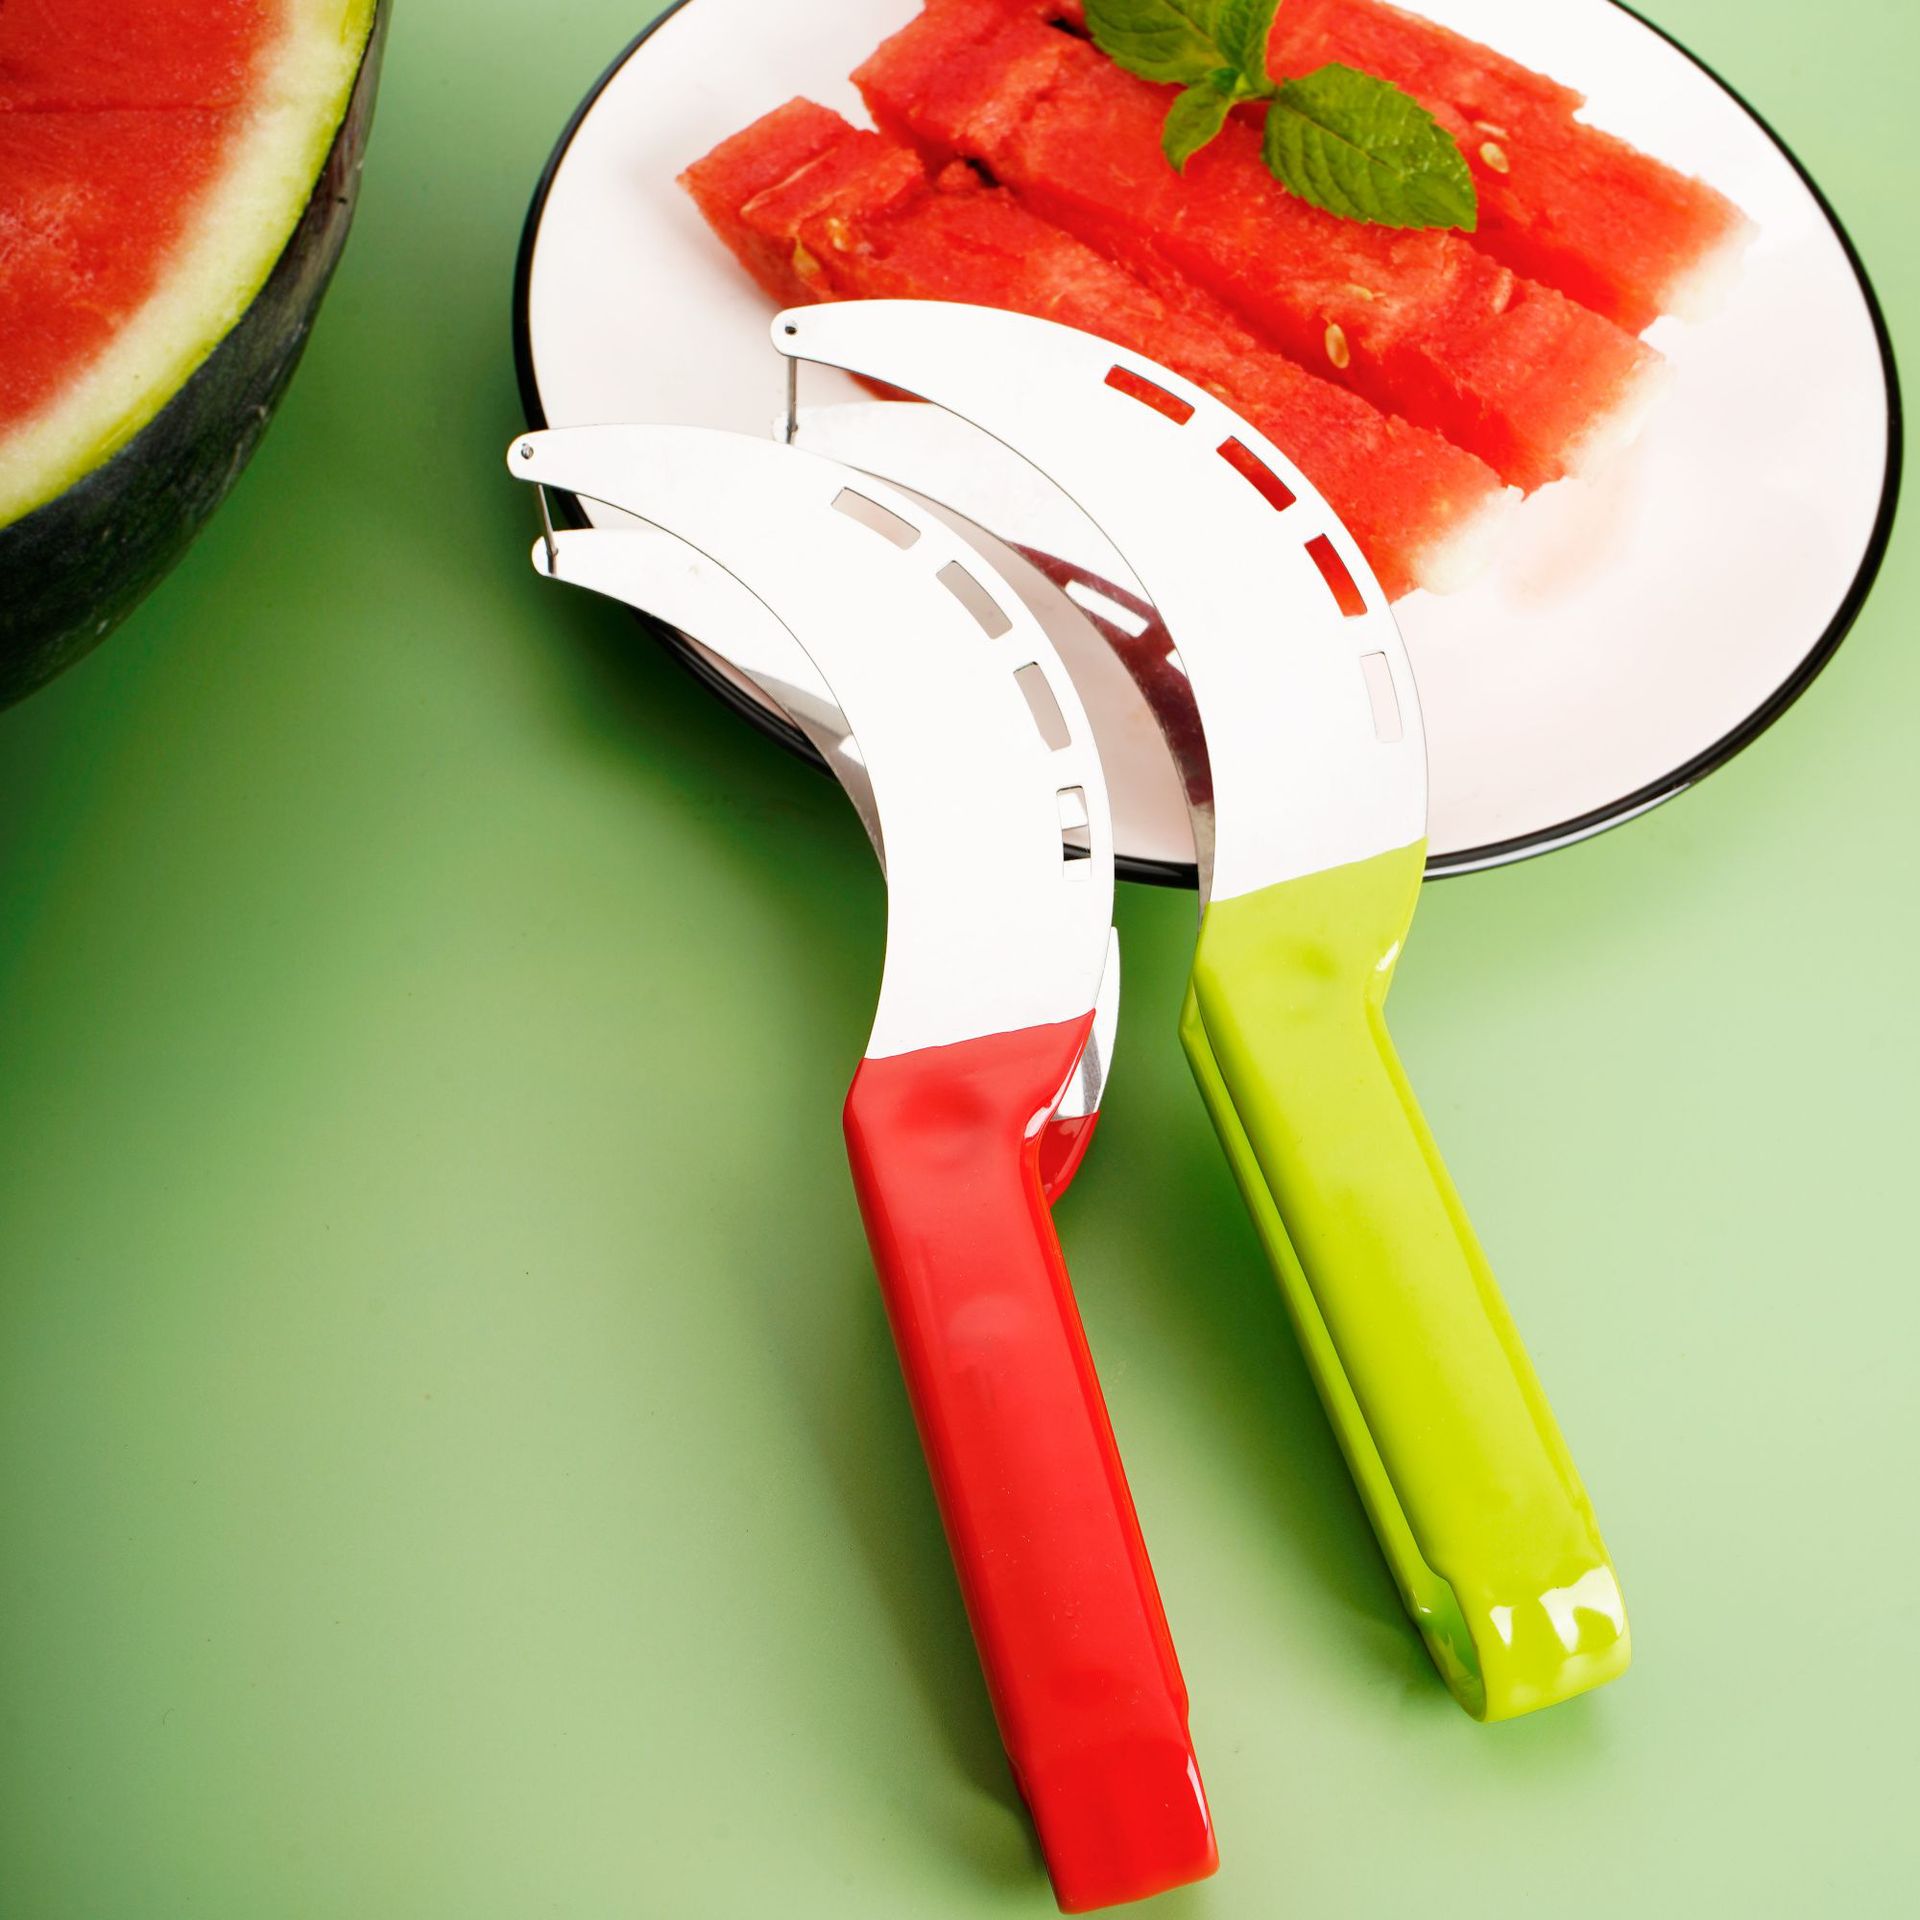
115, 517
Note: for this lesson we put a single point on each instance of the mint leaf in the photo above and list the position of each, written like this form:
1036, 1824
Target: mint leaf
1158, 39
1339, 139
1243, 29
1359, 147
1198, 115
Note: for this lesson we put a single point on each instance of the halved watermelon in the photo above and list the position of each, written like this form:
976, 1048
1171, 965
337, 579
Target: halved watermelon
1423, 324
817, 209
176, 183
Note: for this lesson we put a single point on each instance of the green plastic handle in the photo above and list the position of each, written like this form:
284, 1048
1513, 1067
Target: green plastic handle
1469, 1485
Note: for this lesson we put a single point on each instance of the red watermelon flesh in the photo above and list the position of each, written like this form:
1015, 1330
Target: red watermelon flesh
820, 210
1560, 202
752, 165
73, 187
63, 56
1421, 323
793, 164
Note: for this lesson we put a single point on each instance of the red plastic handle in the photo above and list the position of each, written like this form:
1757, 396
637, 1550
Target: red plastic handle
1063, 1146
945, 1145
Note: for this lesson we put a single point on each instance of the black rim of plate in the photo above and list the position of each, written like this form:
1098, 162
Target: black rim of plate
1167, 873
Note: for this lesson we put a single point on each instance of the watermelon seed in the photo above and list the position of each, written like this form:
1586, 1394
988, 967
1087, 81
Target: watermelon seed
1494, 156
1337, 349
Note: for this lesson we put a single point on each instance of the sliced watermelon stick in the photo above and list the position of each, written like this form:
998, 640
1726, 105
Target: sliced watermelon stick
773, 152
1563, 203
1560, 201
810, 203
1422, 324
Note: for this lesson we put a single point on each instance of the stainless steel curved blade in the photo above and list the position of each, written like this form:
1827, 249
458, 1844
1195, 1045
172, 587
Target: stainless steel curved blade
689, 592
928, 450
1084, 1092
991, 804
955, 465
1314, 748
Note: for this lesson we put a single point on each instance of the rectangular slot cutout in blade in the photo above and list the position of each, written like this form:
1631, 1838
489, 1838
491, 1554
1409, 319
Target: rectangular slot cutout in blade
871, 514
1050, 722
1333, 570
1251, 468
986, 610
1137, 387
1103, 607
1076, 833
1388, 726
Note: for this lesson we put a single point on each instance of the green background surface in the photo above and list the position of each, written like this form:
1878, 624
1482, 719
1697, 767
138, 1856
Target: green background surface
451, 1459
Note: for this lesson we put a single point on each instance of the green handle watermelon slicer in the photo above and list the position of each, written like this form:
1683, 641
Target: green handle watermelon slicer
1306, 779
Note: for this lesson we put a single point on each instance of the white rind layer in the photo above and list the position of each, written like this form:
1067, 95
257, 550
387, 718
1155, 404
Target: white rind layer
1620, 426
1460, 555
1702, 290
235, 233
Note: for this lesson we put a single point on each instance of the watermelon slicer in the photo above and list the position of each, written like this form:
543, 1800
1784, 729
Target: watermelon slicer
1306, 780
936, 695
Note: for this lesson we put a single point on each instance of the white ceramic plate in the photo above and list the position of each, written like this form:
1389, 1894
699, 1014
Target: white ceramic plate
1633, 633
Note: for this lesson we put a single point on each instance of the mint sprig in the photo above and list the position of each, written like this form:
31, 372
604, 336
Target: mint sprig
1345, 141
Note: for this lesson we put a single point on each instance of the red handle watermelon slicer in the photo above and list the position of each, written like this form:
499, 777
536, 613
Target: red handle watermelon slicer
937, 697
1292, 714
